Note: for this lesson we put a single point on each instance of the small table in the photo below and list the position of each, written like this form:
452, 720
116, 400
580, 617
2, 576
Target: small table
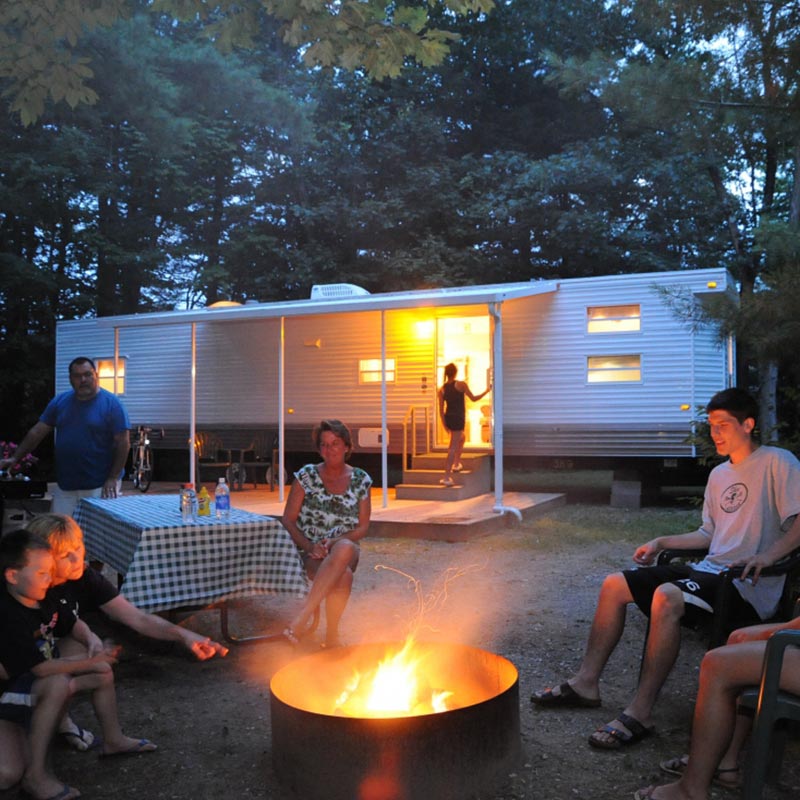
170, 564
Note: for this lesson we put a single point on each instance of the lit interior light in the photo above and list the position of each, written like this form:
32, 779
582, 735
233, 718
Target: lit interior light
712, 284
423, 329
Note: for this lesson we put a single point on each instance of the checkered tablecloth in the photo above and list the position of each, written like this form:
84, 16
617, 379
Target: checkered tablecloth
168, 563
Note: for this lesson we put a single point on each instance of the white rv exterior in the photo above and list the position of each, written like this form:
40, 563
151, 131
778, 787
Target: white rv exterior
628, 389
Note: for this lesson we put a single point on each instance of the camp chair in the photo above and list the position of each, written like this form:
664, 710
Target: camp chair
721, 624
211, 456
775, 712
260, 459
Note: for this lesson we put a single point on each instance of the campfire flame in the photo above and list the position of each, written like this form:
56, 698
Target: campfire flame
397, 687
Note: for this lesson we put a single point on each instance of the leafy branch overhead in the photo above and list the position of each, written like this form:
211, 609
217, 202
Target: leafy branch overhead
39, 42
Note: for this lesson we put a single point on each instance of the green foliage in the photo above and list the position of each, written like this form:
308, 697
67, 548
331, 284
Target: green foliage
37, 58
39, 41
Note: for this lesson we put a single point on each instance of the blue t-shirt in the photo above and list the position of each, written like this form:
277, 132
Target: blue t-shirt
85, 433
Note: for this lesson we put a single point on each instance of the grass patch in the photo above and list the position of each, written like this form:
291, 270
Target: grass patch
557, 480
584, 525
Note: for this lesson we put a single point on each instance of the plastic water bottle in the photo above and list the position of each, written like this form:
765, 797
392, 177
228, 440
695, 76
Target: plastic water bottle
222, 500
188, 503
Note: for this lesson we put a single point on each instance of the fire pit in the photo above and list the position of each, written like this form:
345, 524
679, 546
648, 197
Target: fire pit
326, 745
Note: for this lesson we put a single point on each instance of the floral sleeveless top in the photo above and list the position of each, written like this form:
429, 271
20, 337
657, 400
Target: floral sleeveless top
324, 515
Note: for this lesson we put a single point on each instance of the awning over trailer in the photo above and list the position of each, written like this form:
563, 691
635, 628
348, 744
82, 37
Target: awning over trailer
492, 296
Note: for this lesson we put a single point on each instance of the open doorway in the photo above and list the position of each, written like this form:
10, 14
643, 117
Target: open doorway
467, 343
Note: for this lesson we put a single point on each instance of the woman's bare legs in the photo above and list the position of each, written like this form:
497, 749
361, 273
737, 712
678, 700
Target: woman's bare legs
332, 580
454, 451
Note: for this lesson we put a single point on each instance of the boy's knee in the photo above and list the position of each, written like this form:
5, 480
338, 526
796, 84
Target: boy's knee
10, 774
56, 688
615, 586
668, 601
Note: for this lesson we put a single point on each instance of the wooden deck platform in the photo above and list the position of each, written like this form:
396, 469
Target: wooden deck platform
454, 521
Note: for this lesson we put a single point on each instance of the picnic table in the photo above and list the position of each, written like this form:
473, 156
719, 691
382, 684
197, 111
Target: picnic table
170, 564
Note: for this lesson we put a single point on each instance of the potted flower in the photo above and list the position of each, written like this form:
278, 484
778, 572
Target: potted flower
23, 468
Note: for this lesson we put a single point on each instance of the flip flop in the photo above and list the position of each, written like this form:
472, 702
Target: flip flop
80, 739
674, 766
620, 738
139, 748
66, 793
677, 765
566, 697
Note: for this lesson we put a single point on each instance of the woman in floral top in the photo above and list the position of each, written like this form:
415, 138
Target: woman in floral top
326, 514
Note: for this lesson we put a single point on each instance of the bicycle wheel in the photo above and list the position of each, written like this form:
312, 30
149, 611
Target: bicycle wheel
143, 473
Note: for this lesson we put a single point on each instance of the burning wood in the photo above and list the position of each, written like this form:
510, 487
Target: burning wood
398, 687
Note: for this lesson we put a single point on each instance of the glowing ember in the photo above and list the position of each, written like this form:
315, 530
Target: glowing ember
398, 687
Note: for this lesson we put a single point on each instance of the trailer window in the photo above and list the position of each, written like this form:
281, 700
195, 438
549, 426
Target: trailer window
369, 370
614, 369
105, 374
613, 319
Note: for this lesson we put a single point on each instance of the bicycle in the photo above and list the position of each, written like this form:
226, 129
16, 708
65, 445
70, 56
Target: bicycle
142, 459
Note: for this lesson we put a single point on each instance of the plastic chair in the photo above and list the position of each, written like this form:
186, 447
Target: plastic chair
721, 624
260, 459
211, 456
775, 710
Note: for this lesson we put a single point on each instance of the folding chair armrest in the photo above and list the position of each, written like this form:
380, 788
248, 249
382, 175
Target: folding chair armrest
773, 659
782, 567
693, 553
770, 705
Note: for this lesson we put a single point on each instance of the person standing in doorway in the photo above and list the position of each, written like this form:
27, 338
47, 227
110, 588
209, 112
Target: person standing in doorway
92, 439
453, 413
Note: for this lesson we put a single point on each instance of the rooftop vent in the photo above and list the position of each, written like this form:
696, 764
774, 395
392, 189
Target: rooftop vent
336, 291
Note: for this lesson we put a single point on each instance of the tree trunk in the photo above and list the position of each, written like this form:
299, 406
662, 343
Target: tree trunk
767, 407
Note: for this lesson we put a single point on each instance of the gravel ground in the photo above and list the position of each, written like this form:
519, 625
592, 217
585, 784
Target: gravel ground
529, 600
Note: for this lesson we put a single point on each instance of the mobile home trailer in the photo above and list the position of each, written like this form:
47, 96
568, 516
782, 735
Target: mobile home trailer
584, 368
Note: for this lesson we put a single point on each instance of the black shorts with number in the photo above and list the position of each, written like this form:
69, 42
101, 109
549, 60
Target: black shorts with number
699, 592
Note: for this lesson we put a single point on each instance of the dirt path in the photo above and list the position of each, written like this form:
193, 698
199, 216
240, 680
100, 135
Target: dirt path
529, 603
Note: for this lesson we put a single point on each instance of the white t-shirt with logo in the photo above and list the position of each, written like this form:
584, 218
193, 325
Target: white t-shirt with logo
747, 508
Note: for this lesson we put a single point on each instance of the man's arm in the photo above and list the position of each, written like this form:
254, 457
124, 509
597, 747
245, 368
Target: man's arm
121, 446
29, 443
694, 540
787, 543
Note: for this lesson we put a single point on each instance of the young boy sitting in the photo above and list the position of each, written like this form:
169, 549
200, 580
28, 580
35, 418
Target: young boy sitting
41, 683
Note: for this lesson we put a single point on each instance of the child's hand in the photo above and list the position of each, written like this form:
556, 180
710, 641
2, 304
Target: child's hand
95, 645
112, 649
103, 662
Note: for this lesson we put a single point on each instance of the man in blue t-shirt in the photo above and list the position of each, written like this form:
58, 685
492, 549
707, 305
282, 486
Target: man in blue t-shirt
92, 439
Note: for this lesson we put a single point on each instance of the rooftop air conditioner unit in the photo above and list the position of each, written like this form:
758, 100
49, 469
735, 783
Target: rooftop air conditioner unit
335, 291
